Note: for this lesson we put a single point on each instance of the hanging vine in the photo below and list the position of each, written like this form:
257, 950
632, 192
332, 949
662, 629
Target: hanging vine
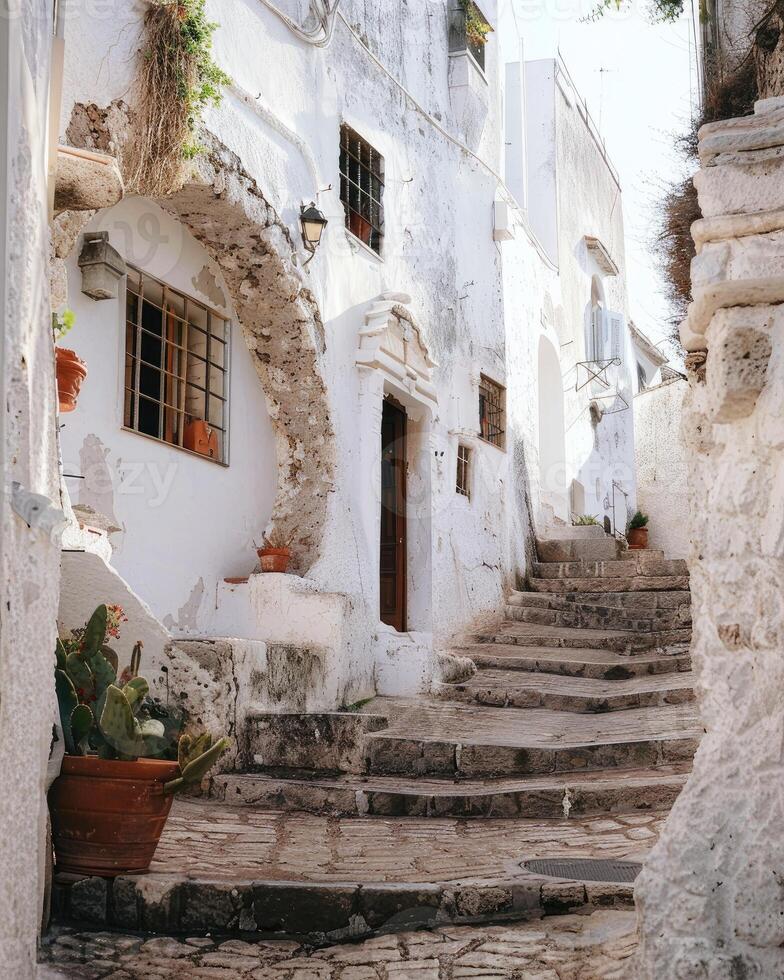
177, 79
476, 27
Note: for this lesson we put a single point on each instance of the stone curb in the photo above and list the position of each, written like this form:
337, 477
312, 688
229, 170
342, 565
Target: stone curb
321, 912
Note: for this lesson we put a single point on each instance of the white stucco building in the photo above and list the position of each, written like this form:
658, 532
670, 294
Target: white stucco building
452, 365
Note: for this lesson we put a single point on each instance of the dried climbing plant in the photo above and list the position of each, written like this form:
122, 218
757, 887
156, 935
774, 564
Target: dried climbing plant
176, 80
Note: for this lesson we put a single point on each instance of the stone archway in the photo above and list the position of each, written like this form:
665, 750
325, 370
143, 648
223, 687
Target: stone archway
224, 209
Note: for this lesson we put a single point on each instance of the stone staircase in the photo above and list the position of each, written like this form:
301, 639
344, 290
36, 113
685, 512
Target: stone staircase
568, 730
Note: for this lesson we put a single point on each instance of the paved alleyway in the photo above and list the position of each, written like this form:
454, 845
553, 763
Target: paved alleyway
568, 735
570, 947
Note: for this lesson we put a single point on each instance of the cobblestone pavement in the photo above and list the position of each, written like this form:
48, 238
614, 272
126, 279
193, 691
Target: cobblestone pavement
569, 947
218, 841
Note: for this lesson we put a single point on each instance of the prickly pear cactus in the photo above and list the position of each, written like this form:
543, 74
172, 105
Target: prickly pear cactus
102, 714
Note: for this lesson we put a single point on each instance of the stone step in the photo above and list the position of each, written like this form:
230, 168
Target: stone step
625, 568
454, 739
594, 547
532, 797
562, 637
242, 871
631, 583
327, 741
600, 617
515, 689
640, 603
575, 662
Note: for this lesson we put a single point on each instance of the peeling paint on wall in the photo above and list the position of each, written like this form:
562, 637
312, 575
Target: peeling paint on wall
96, 489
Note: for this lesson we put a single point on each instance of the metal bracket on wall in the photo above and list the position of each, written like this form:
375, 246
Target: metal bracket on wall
595, 371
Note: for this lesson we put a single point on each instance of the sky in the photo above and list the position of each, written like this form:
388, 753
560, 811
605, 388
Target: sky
640, 83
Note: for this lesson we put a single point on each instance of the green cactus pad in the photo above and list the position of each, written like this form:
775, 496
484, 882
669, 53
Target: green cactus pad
136, 690
81, 676
198, 767
95, 631
60, 654
81, 724
67, 701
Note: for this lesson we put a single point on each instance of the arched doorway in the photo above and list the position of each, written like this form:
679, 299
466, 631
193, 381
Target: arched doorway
552, 439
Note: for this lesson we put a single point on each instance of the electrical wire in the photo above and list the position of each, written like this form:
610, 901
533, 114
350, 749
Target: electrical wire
319, 36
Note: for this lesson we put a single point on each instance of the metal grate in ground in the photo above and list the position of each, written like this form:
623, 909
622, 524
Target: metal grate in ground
585, 869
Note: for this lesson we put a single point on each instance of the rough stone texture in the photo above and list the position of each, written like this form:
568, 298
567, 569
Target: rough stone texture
225, 210
569, 947
29, 552
239, 869
83, 184
710, 896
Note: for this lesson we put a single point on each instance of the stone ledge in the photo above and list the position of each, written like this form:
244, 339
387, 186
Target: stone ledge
320, 912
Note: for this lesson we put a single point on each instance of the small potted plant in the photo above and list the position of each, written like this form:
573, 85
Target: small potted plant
584, 520
637, 531
275, 552
110, 802
69, 367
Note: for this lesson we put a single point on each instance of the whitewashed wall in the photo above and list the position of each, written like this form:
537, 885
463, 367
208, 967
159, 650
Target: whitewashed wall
481, 304
662, 466
29, 567
186, 523
574, 192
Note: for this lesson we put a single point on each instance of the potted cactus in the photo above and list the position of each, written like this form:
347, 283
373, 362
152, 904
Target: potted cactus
637, 531
110, 802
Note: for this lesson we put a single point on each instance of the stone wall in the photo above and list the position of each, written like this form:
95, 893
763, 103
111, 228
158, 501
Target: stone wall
31, 514
711, 896
662, 466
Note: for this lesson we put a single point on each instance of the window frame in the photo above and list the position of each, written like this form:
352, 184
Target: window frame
127, 354
378, 175
464, 464
487, 383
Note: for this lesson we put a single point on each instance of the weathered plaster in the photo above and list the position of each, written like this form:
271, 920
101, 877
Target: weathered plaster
662, 464
711, 896
29, 556
224, 209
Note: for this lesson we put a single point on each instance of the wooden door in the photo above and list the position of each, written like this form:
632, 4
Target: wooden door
393, 516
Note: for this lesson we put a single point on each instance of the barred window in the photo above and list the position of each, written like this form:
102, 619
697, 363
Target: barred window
492, 411
176, 368
362, 188
463, 484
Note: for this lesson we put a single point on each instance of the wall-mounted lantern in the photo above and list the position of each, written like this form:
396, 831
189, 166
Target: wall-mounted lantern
101, 264
313, 223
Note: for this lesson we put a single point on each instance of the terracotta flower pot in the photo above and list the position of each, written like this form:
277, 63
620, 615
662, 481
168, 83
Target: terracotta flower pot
108, 816
274, 559
637, 538
360, 227
71, 372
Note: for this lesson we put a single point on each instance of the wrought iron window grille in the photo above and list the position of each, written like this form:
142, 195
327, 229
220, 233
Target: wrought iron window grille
362, 188
176, 378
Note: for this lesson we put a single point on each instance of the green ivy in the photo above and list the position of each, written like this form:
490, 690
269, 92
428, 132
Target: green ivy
196, 93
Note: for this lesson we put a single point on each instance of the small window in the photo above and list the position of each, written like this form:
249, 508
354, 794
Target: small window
176, 368
463, 484
362, 188
642, 380
492, 411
